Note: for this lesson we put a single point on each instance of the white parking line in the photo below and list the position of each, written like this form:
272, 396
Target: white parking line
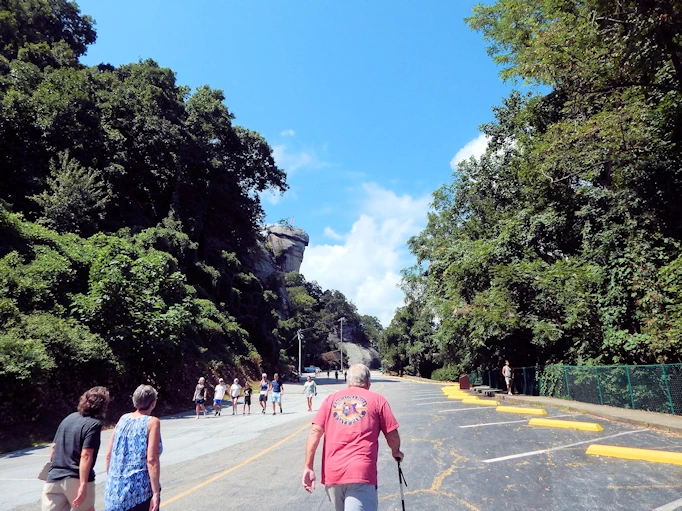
441, 401
425, 398
677, 504
543, 451
510, 422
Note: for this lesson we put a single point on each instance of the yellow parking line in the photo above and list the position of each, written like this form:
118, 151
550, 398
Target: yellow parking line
232, 469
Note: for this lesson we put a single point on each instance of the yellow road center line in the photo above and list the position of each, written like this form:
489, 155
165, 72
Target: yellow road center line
232, 469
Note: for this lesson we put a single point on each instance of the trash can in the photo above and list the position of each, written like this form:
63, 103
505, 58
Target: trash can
464, 383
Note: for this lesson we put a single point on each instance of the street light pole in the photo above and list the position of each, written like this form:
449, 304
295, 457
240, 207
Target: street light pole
300, 338
341, 342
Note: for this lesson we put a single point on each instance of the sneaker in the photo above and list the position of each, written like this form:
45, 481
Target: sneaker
273, 413
310, 409
263, 412
509, 393
232, 413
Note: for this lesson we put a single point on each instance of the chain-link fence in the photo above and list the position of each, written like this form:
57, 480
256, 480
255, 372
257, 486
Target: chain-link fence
657, 388
524, 380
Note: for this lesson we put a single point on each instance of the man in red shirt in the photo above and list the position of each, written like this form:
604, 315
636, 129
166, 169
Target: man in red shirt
350, 421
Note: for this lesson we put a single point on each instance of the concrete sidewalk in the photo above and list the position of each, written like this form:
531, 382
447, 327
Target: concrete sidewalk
662, 421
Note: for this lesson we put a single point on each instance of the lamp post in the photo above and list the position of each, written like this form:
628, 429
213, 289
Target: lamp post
299, 334
341, 342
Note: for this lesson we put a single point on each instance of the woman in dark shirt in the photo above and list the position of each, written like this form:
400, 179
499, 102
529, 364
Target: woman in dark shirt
71, 479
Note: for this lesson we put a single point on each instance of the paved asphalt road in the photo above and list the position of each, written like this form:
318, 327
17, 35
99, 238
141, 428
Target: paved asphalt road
456, 457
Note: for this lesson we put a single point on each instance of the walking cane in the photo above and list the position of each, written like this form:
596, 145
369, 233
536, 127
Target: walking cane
401, 481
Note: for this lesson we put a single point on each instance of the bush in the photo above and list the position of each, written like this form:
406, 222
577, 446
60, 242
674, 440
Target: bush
447, 373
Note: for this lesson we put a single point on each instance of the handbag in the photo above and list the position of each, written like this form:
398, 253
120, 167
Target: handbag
45, 470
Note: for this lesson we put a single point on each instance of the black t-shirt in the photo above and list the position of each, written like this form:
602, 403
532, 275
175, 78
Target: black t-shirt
74, 434
247, 391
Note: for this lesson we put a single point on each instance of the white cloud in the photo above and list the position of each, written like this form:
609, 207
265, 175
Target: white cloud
331, 233
271, 196
288, 133
475, 147
366, 267
292, 161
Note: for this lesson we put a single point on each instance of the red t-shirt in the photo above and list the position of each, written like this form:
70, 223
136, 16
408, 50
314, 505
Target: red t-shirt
352, 419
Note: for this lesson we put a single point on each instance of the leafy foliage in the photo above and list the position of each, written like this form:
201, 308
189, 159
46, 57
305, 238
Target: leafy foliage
562, 242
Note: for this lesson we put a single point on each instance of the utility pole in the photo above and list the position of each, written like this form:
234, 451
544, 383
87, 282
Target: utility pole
299, 334
341, 343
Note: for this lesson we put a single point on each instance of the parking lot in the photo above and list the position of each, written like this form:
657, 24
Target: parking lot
483, 459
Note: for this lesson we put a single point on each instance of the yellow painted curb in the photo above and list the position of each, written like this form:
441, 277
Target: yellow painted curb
553, 423
458, 398
631, 453
479, 402
518, 409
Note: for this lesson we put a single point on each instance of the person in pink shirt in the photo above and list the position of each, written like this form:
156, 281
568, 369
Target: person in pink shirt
351, 421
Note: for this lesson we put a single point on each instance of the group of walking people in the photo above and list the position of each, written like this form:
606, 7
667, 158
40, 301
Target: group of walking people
350, 421
132, 459
201, 392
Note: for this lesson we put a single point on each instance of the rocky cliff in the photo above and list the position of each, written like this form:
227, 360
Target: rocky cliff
287, 244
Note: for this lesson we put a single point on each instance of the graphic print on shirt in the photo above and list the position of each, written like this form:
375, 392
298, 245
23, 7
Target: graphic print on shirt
349, 409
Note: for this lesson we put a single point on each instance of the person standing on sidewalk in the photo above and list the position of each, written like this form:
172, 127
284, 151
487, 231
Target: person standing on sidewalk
264, 388
310, 390
351, 421
200, 396
218, 396
507, 373
277, 391
235, 390
71, 479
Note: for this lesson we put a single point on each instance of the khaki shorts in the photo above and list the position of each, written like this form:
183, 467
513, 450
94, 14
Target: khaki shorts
59, 495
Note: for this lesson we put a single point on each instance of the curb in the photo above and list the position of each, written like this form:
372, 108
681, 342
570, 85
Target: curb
553, 423
604, 413
630, 453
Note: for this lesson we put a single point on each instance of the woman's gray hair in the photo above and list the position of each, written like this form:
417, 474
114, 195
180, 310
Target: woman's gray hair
144, 396
358, 376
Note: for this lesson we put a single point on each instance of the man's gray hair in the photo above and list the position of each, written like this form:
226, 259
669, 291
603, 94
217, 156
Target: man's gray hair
144, 396
358, 376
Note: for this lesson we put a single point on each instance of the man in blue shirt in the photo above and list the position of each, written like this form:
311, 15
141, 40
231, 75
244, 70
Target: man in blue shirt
277, 390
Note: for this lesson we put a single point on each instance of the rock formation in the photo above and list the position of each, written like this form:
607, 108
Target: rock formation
287, 244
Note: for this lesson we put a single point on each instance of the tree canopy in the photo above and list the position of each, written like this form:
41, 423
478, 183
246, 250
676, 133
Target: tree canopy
562, 242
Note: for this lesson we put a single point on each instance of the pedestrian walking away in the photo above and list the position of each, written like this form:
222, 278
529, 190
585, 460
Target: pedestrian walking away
235, 390
277, 390
247, 398
132, 463
350, 421
264, 388
327, 372
336, 375
218, 396
70, 483
200, 396
507, 373
310, 390
345, 374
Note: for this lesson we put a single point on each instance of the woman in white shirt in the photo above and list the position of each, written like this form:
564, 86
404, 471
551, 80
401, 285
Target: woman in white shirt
235, 390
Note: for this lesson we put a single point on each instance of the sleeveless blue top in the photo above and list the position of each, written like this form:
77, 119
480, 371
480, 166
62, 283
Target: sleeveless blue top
128, 482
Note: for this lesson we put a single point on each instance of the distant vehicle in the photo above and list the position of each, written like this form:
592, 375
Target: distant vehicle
310, 369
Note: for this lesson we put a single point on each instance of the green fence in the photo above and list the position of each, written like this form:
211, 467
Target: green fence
657, 388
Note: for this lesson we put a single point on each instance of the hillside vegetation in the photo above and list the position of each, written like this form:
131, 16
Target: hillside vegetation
130, 223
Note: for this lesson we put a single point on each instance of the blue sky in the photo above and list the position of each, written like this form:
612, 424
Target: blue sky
365, 104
